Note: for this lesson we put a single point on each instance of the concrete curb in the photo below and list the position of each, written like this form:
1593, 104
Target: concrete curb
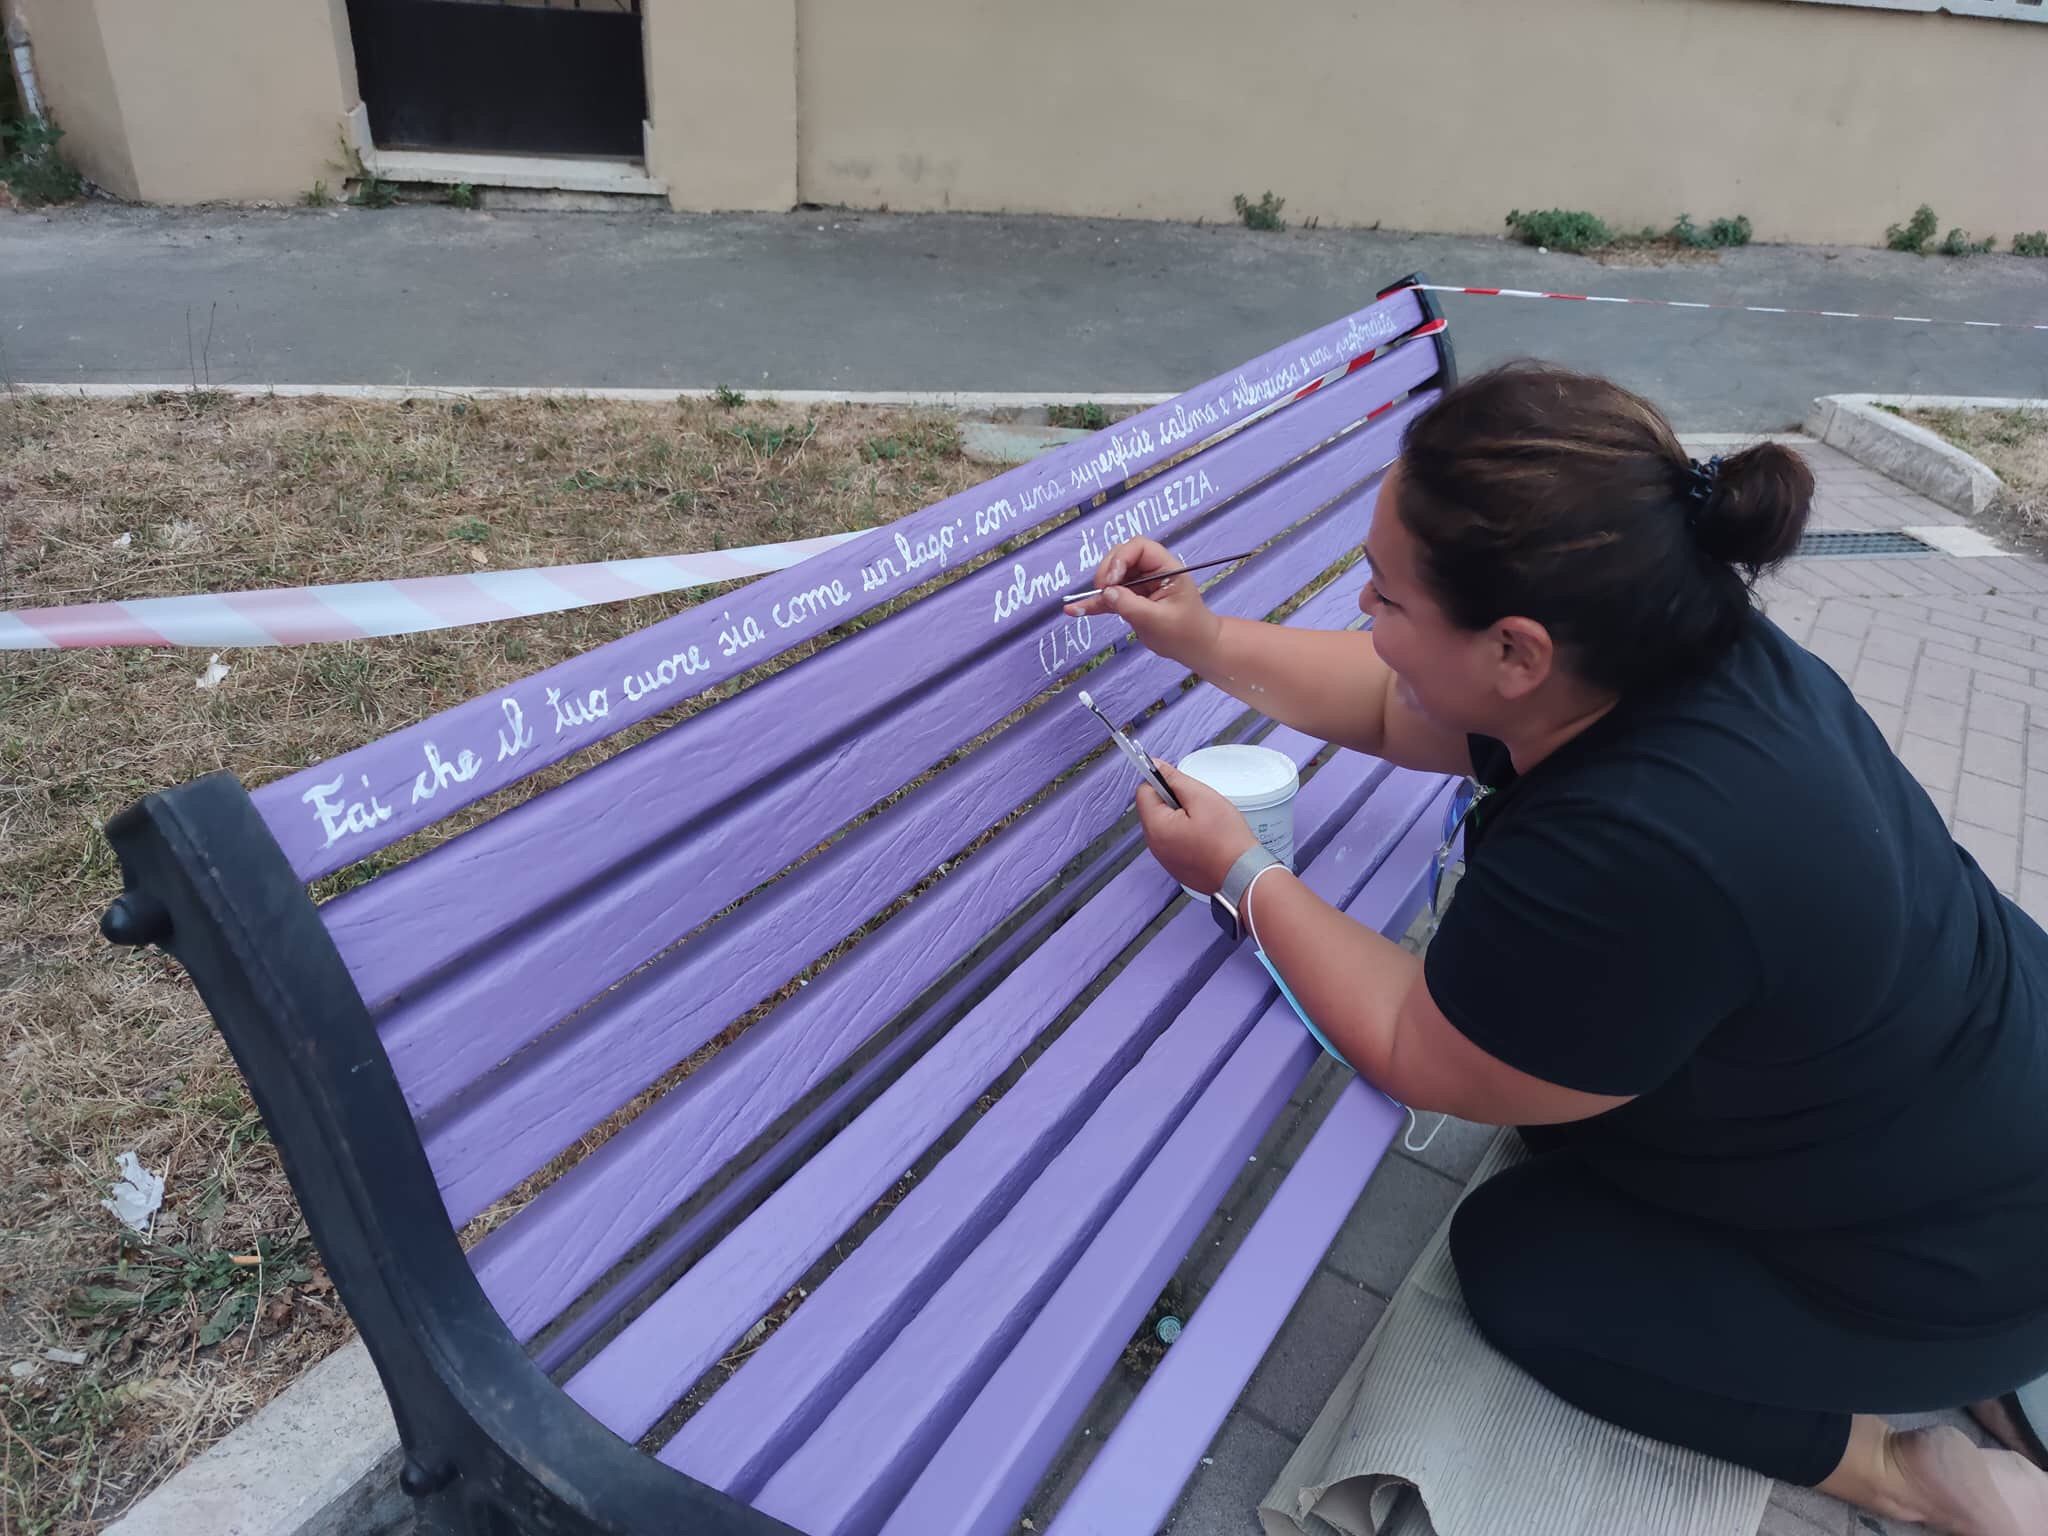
1909, 454
320, 1459
956, 400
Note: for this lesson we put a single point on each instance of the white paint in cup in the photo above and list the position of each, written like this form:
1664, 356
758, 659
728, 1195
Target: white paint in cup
1261, 783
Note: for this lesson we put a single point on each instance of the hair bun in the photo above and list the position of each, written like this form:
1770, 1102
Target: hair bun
1757, 507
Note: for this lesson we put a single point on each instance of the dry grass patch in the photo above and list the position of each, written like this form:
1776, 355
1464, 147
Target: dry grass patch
2014, 444
186, 1332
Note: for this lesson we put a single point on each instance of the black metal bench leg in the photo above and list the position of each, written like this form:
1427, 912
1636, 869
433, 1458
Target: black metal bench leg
493, 1446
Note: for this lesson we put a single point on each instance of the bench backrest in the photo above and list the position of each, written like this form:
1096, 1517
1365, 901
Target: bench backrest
744, 878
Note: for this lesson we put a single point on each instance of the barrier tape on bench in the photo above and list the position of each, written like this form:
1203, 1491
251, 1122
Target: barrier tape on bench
359, 610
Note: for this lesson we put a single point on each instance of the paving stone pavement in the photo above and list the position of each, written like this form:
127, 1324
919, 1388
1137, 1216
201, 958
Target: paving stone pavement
1950, 657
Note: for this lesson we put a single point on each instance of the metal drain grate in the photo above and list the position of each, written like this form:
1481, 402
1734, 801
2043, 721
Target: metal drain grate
1861, 546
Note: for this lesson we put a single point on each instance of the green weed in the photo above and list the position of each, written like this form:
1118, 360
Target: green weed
1088, 416
155, 1278
1957, 243
373, 191
1718, 234
1560, 229
1913, 235
30, 166
317, 196
1264, 214
729, 399
462, 195
2031, 244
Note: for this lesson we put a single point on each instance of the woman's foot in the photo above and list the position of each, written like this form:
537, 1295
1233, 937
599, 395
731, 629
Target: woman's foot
1998, 1420
1940, 1477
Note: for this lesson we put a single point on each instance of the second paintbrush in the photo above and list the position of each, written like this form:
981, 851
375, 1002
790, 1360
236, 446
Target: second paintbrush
1139, 581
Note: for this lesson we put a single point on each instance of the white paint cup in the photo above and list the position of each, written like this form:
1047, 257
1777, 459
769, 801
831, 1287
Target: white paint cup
1261, 783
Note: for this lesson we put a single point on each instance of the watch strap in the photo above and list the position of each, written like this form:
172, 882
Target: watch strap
1249, 865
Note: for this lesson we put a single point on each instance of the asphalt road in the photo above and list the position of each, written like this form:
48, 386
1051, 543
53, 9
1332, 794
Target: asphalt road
835, 300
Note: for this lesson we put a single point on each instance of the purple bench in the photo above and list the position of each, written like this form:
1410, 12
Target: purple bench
981, 1073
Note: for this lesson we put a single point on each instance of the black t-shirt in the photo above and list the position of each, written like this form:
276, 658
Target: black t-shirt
1731, 899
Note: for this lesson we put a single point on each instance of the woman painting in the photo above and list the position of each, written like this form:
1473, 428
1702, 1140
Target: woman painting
1778, 1048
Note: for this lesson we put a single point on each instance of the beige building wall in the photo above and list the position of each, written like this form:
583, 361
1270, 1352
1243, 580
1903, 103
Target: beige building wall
78, 89
203, 100
243, 107
721, 101
1820, 122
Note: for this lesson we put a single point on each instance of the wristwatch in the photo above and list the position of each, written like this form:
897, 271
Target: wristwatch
1227, 904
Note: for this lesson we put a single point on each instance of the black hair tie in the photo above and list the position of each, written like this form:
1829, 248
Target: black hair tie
1701, 479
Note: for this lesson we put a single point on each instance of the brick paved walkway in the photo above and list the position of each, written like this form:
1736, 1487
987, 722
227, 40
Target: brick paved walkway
1950, 656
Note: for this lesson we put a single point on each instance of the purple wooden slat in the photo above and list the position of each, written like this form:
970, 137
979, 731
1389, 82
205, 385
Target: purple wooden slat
573, 1231
738, 1192
634, 1379
1132, 1484
738, 1437
551, 1094
527, 981
368, 792
686, 1328
850, 1471
547, 1255
398, 929
1002, 1445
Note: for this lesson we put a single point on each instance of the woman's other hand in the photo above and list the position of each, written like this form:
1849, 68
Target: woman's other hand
1198, 843
1168, 616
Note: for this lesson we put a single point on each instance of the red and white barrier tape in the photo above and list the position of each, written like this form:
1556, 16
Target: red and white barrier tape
1752, 309
358, 610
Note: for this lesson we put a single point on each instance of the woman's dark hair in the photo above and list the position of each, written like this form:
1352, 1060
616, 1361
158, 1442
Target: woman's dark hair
1558, 497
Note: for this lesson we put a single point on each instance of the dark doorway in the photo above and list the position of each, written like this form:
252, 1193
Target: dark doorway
536, 77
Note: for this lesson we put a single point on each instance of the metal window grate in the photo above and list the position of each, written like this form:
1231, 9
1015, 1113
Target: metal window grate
1861, 546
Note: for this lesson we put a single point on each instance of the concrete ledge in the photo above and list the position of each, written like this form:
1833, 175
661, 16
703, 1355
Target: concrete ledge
442, 167
1909, 454
320, 1459
616, 178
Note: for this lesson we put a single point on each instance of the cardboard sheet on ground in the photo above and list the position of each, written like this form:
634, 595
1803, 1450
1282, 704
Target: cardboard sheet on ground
1429, 1405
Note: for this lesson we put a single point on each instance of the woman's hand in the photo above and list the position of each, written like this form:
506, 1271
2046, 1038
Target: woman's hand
1198, 843
1168, 616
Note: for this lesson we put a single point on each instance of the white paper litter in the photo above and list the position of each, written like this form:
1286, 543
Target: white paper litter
64, 1356
136, 1195
125, 540
216, 671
